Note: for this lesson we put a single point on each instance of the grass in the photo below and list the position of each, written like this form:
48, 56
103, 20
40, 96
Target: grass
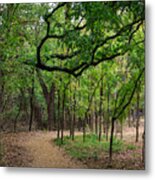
131, 147
91, 148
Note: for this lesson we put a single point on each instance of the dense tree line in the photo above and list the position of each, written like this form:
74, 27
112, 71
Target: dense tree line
72, 66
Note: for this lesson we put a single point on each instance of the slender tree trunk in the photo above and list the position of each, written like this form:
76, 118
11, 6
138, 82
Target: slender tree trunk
111, 139
79, 123
58, 116
49, 115
18, 113
100, 128
133, 117
70, 123
121, 130
138, 118
62, 127
62, 119
91, 122
63, 114
96, 123
96, 117
38, 116
74, 112
129, 119
108, 112
143, 148
15, 121
107, 131
100, 118
31, 103
70, 112
84, 127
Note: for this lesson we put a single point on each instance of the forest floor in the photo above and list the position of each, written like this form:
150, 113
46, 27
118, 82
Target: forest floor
37, 149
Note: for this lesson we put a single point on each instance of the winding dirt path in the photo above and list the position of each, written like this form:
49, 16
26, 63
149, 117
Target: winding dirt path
36, 149
47, 154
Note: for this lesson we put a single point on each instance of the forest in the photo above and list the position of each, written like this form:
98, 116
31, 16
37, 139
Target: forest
72, 85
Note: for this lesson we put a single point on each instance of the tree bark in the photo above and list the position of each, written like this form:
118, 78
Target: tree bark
129, 118
63, 114
74, 109
121, 130
31, 103
96, 123
38, 115
58, 116
111, 139
138, 117
108, 112
18, 113
49, 97
84, 127
143, 148
100, 118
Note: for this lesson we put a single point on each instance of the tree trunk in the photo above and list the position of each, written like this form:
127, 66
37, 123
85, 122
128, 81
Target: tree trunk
70, 123
74, 111
91, 120
129, 119
18, 113
107, 131
96, 123
143, 148
49, 114
100, 128
79, 124
100, 118
111, 139
58, 116
121, 130
49, 97
96, 116
138, 118
108, 112
31, 103
84, 127
38, 116
63, 114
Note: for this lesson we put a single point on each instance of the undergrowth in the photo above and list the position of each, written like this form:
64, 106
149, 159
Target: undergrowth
91, 148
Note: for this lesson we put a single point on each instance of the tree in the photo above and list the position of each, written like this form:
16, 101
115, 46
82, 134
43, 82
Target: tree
49, 98
72, 65
83, 31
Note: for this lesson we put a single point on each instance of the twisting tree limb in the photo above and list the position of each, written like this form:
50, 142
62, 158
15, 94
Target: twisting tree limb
77, 69
116, 116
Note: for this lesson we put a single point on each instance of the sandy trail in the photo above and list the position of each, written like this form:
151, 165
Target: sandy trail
36, 149
47, 154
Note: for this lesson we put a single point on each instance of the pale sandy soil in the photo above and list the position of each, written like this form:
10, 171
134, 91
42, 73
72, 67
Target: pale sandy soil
47, 154
36, 149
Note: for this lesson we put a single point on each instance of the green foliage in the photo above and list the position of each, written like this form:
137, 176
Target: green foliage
106, 31
131, 147
91, 148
